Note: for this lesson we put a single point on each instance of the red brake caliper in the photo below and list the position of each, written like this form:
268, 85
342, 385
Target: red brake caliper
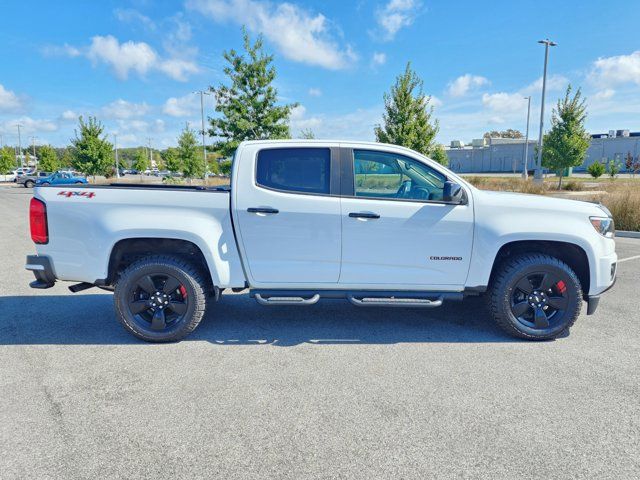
561, 287
183, 292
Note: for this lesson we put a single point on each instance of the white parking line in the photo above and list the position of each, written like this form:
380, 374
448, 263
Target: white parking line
635, 257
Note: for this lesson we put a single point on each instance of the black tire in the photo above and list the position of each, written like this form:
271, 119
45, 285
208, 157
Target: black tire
183, 286
548, 309
29, 184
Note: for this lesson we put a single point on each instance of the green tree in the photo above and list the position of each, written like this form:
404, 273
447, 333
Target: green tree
508, 133
171, 160
192, 165
439, 154
7, 160
225, 167
140, 161
408, 115
596, 169
66, 160
48, 159
249, 104
93, 154
613, 168
307, 133
566, 144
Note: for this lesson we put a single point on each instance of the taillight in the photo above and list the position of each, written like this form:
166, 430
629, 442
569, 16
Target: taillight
38, 221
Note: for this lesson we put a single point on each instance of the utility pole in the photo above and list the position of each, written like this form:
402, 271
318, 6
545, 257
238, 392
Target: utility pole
525, 172
538, 172
33, 149
204, 143
20, 146
150, 153
115, 145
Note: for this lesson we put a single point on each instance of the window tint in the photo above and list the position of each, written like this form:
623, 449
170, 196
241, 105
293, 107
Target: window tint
304, 170
392, 176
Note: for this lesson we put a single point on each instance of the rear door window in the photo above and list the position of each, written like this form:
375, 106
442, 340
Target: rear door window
303, 170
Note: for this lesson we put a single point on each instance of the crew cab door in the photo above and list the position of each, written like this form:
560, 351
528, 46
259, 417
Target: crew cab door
396, 230
288, 214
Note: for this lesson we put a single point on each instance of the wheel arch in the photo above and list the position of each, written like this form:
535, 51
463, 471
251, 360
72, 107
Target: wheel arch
128, 250
570, 253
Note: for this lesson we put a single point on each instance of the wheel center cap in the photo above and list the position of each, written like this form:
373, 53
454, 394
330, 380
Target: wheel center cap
537, 298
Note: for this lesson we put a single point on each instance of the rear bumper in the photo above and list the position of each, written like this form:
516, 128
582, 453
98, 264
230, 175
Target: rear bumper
42, 269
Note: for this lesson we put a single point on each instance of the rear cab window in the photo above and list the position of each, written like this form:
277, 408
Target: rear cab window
301, 170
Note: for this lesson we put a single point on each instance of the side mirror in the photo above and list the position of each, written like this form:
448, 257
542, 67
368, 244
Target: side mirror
452, 192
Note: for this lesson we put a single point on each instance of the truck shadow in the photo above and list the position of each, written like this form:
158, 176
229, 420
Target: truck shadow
238, 320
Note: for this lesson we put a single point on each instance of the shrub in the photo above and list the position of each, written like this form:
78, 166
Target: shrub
625, 208
596, 169
573, 186
613, 168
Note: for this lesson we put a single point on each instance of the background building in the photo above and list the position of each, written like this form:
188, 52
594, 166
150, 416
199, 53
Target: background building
506, 155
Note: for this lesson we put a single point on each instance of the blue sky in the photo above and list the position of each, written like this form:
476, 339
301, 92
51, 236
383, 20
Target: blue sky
135, 63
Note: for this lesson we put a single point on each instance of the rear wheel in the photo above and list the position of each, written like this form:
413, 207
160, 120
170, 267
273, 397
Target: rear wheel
29, 184
160, 298
535, 296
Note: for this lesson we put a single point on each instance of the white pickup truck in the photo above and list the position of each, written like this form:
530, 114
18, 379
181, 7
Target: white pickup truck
375, 224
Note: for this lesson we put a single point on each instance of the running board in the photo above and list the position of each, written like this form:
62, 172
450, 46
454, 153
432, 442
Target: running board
395, 302
287, 300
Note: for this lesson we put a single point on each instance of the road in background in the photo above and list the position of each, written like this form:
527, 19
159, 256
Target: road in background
329, 391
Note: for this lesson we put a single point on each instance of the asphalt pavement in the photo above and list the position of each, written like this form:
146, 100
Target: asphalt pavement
329, 391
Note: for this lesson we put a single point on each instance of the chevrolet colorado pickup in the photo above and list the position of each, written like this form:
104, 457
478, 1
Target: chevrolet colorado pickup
375, 224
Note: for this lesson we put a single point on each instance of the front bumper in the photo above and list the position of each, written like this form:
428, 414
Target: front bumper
43, 271
594, 300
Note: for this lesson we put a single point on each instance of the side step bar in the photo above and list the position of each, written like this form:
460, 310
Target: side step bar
287, 300
395, 302
361, 298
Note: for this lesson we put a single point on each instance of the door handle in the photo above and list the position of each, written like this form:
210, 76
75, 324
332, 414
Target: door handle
262, 210
364, 215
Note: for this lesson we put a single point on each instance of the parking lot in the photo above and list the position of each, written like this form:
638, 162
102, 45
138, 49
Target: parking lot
332, 391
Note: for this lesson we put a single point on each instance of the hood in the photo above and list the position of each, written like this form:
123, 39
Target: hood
539, 202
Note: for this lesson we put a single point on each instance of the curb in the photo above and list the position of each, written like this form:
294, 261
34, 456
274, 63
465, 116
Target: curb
627, 234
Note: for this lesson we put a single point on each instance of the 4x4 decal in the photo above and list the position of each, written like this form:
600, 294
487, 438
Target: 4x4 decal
76, 193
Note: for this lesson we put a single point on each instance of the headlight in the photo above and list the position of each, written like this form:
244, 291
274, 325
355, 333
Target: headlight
603, 225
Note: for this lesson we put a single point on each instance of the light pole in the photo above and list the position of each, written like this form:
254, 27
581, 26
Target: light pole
538, 172
204, 143
33, 147
525, 172
20, 157
115, 145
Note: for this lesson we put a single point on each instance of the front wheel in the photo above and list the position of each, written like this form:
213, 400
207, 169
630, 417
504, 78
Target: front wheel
536, 297
160, 298
28, 184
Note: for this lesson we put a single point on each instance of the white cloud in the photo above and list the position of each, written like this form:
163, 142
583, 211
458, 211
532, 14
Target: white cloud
554, 83
504, 102
378, 58
121, 109
9, 101
461, 85
29, 125
356, 125
605, 94
395, 15
298, 34
69, 115
315, 92
616, 70
61, 50
126, 57
435, 101
130, 15
185, 106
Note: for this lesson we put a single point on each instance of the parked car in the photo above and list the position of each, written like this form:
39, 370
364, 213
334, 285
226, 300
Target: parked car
29, 181
8, 177
61, 178
22, 171
375, 224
